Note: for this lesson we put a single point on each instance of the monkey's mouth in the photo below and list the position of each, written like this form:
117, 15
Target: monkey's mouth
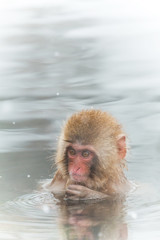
78, 178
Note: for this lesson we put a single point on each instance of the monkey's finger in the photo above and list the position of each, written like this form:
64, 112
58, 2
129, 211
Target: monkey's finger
72, 192
76, 187
73, 198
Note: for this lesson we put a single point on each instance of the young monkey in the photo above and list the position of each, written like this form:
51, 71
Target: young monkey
90, 158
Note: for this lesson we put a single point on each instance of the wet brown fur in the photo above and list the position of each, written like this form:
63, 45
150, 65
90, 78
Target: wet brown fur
100, 130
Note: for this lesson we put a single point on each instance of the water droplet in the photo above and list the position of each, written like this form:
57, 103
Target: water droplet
133, 215
14, 123
57, 93
0, 177
28, 176
45, 209
100, 234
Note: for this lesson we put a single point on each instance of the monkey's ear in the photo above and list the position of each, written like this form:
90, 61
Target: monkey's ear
121, 143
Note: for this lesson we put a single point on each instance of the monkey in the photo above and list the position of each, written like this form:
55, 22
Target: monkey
90, 158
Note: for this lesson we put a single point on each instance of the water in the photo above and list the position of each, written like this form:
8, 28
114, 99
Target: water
57, 57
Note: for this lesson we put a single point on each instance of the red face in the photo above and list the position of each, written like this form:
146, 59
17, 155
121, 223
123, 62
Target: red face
79, 161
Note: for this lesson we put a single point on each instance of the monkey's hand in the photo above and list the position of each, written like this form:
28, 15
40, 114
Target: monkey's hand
78, 192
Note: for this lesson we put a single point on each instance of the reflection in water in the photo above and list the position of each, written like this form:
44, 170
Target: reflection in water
37, 213
103, 220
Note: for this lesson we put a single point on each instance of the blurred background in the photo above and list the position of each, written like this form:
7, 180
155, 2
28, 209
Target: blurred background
58, 57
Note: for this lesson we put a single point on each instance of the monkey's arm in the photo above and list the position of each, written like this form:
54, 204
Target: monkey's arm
78, 192
57, 186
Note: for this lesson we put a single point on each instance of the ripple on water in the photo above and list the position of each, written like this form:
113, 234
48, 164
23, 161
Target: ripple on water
29, 216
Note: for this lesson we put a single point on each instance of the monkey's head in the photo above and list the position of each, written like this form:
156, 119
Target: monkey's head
91, 147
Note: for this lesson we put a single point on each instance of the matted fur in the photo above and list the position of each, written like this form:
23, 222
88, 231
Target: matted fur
100, 130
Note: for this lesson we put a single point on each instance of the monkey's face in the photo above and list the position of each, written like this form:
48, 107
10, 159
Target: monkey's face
80, 161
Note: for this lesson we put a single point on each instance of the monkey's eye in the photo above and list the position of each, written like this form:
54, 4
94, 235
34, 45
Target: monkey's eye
85, 154
72, 152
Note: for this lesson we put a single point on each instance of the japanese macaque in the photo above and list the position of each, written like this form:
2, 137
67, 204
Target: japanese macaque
90, 158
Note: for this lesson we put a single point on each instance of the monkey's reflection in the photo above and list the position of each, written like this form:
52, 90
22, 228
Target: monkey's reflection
93, 221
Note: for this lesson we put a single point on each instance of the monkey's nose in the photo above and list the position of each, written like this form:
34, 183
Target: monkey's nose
77, 169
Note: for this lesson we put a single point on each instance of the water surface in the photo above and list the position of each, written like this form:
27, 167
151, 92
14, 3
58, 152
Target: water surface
58, 57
